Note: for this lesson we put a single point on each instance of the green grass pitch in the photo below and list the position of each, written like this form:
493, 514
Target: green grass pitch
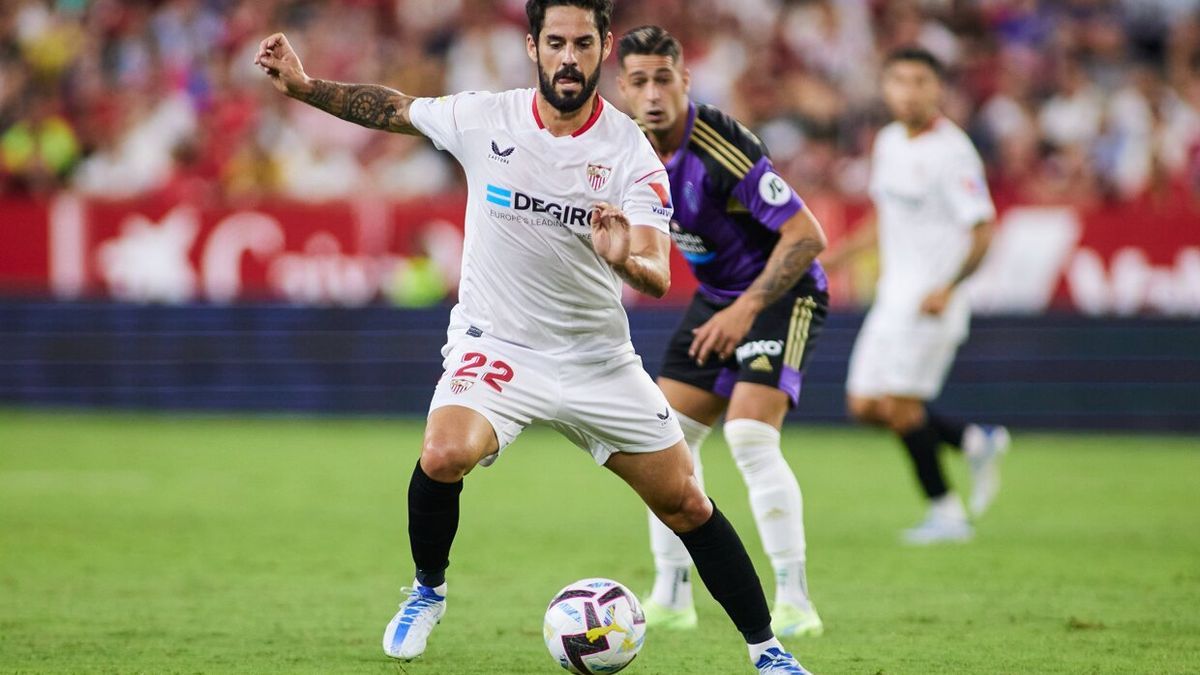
162, 544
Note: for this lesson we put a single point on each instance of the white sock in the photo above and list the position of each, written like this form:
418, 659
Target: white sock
758, 649
776, 501
791, 584
672, 564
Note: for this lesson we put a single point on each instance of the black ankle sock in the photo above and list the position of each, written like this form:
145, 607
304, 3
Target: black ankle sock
922, 444
948, 429
726, 570
432, 524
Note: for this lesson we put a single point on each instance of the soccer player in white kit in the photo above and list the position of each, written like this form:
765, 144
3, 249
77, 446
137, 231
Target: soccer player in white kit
933, 222
566, 200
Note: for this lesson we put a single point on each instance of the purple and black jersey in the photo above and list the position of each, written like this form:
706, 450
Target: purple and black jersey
729, 204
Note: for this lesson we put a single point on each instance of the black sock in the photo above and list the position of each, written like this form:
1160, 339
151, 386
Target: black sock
725, 568
432, 523
922, 444
949, 430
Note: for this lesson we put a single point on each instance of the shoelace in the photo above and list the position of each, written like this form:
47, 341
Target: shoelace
417, 603
783, 659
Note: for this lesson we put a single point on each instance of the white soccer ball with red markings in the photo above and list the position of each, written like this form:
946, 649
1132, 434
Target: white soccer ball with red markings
594, 626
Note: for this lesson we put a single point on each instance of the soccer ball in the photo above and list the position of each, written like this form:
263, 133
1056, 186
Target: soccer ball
594, 626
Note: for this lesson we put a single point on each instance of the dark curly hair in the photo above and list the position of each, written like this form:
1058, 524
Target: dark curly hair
536, 11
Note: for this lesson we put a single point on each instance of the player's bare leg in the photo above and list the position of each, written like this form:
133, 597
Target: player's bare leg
670, 603
456, 439
665, 481
752, 427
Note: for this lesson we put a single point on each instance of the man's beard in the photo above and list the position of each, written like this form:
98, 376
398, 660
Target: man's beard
567, 104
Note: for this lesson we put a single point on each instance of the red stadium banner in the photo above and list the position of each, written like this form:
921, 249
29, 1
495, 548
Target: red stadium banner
1118, 260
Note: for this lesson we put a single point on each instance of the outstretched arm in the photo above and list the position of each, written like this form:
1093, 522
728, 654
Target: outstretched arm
370, 105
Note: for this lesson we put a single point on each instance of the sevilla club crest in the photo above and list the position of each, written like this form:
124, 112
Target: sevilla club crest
598, 176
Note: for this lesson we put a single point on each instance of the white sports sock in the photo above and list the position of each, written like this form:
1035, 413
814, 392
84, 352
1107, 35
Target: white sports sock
756, 650
776, 501
672, 564
791, 584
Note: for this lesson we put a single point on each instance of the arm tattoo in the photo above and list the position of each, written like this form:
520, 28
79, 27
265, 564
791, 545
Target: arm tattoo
784, 269
370, 105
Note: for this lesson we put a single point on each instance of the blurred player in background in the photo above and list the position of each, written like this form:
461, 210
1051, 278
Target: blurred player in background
744, 341
566, 200
933, 223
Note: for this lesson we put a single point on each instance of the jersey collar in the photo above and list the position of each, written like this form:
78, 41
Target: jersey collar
591, 121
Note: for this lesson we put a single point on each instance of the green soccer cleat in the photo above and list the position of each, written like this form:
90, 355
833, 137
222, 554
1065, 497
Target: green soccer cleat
658, 616
790, 620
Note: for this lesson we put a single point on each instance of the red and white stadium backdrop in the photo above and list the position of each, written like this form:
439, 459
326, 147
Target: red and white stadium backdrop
1124, 259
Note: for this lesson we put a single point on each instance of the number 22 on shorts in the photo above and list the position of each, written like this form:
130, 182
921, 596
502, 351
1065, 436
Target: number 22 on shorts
499, 374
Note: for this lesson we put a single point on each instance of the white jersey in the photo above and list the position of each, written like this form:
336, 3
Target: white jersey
929, 193
529, 273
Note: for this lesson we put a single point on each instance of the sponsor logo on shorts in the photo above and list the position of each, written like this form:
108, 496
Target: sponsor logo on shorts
665, 414
762, 364
460, 384
763, 347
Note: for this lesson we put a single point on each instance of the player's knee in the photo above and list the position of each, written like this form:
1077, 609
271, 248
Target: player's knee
754, 444
903, 419
445, 459
688, 510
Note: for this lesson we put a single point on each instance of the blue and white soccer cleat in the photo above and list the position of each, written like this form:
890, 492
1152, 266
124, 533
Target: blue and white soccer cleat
405, 637
775, 661
983, 446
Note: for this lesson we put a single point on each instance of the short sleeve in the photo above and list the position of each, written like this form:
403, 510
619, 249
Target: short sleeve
767, 195
647, 199
440, 119
966, 190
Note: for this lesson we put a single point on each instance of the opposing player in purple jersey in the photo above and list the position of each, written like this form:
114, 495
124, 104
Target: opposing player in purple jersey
747, 336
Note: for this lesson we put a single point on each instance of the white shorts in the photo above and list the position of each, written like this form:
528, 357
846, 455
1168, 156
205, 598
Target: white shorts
910, 362
602, 407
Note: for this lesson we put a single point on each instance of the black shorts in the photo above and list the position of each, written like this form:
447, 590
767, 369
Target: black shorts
774, 352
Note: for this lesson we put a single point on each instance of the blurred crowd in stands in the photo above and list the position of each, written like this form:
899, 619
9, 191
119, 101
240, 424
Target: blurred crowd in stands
1070, 101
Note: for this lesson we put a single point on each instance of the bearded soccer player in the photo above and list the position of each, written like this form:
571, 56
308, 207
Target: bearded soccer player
743, 344
932, 223
566, 201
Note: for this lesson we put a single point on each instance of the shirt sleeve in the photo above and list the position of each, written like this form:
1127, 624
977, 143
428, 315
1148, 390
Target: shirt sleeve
767, 195
738, 167
440, 119
966, 190
647, 200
